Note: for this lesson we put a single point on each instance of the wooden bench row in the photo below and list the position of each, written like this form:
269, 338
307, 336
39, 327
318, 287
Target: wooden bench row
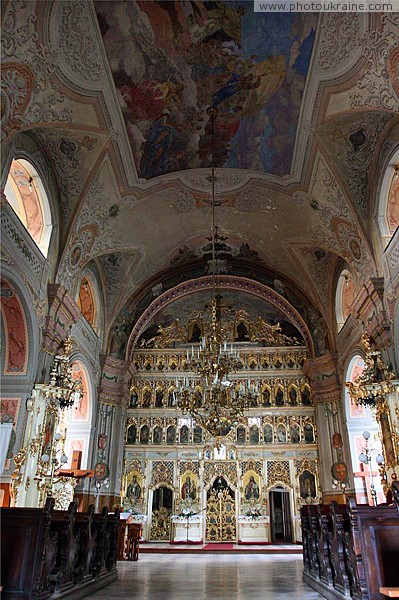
49, 553
350, 550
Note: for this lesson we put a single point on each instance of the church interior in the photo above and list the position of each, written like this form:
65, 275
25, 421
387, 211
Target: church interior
199, 300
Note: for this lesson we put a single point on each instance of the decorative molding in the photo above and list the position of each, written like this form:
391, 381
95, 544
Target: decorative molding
20, 45
376, 89
339, 37
77, 42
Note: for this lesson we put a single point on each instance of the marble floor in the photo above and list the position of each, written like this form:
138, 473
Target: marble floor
210, 577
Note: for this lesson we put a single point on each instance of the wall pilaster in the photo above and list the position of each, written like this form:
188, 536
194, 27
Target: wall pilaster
333, 447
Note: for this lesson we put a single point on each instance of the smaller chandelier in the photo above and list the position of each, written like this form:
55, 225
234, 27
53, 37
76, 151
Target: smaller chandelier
374, 385
63, 387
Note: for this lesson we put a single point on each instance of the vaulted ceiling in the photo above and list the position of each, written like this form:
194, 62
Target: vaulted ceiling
115, 93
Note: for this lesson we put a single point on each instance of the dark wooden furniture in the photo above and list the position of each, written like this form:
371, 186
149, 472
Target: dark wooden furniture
350, 551
134, 531
25, 534
47, 553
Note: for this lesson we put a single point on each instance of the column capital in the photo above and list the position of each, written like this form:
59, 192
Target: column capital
114, 382
322, 372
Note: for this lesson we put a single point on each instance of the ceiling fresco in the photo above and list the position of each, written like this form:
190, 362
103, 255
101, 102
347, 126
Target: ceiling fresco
170, 61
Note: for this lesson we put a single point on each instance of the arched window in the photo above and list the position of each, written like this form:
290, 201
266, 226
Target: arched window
27, 197
392, 214
388, 205
344, 296
360, 419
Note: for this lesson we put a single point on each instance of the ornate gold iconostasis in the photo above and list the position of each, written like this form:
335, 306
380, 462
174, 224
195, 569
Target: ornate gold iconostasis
270, 449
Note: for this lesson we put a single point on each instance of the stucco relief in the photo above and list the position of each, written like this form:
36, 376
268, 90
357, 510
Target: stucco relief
226, 181
117, 267
337, 231
320, 263
70, 155
339, 37
379, 47
44, 102
352, 145
17, 83
94, 230
77, 42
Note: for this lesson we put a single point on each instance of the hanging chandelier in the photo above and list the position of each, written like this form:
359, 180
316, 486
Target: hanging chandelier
63, 387
374, 385
223, 401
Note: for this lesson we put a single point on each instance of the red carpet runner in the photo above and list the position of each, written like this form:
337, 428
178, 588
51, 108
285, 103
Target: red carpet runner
218, 547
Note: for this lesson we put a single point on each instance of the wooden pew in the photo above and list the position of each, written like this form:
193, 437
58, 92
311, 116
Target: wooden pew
62, 531
25, 536
49, 554
99, 533
112, 530
374, 536
83, 533
357, 552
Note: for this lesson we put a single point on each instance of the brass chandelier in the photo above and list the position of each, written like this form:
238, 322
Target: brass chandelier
223, 402
374, 385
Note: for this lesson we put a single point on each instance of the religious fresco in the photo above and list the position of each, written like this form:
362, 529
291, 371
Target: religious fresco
172, 60
16, 335
86, 301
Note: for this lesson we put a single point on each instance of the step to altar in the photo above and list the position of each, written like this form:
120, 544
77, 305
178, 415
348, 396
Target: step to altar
167, 548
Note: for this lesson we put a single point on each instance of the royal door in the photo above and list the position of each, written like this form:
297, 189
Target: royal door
220, 513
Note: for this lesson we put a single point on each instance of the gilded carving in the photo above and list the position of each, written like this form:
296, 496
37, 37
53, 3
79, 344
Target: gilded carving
162, 472
278, 472
213, 469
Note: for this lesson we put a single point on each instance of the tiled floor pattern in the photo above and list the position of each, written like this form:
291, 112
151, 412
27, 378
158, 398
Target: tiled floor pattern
210, 577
